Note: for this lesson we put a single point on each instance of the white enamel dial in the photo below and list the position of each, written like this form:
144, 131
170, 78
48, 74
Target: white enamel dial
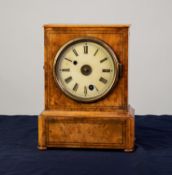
85, 69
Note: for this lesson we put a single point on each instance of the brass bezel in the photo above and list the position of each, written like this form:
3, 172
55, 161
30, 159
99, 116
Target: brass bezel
86, 39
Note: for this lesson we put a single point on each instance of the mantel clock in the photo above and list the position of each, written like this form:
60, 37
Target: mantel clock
86, 88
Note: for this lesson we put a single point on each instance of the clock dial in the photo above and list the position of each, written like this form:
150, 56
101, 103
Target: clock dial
86, 69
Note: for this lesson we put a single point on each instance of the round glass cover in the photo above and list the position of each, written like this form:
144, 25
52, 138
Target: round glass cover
86, 69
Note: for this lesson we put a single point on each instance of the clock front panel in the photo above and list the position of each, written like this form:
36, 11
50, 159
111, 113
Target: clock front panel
71, 79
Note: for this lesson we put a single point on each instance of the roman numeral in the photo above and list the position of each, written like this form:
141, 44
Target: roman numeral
86, 49
96, 89
95, 53
85, 90
75, 88
106, 70
65, 70
68, 59
75, 52
104, 59
68, 79
103, 80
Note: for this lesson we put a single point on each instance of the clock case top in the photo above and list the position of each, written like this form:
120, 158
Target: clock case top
55, 36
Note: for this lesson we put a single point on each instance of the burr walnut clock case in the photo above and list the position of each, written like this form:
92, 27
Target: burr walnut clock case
86, 88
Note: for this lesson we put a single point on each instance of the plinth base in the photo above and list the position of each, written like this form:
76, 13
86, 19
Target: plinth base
87, 129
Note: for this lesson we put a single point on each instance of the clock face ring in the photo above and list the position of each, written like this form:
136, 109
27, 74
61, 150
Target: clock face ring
86, 69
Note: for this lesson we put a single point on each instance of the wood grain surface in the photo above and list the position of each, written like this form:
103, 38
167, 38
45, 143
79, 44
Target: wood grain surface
56, 37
